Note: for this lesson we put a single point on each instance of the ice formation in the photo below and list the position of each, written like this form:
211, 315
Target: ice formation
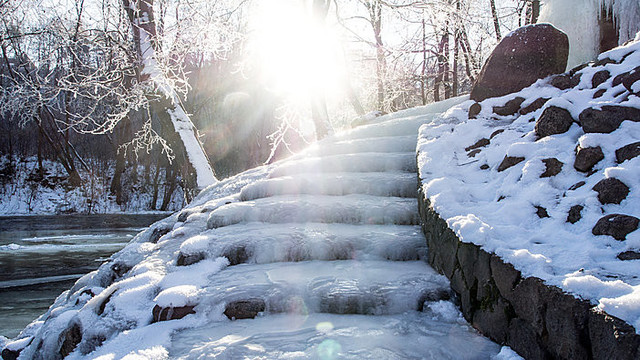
580, 20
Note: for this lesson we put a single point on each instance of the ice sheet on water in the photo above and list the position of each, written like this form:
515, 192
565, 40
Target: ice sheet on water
35, 281
363, 162
349, 209
72, 238
267, 243
51, 248
379, 184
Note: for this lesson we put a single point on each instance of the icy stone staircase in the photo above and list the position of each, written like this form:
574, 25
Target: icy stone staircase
350, 203
317, 256
332, 231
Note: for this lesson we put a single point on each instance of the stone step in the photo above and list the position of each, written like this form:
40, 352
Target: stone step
337, 287
397, 127
348, 209
389, 144
336, 184
411, 335
268, 243
361, 162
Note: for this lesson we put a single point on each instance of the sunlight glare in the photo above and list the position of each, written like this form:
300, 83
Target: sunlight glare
297, 55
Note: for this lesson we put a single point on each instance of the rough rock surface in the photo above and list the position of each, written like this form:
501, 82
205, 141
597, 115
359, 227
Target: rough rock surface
629, 255
72, 338
616, 225
480, 143
526, 55
509, 161
553, 167
631, 78
474, 110
600, 77
611, 191
189, 259
554, 120
511, 107
575, 214
586, 158
171, 313
535, 105
536, 320
608, 118
628, 152
565, 81
244, 309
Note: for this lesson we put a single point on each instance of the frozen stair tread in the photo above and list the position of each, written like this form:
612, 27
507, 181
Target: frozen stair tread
267, 243
390, 144
411, 335
348, 209
360, 162
395, 127
337, 184
346, 286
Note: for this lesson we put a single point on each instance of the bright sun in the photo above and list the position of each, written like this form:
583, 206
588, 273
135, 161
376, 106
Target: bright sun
298, 55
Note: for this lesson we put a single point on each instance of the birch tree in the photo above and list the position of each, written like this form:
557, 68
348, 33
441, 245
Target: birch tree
165, 103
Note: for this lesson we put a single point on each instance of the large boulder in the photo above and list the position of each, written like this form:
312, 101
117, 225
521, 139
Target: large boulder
527, 54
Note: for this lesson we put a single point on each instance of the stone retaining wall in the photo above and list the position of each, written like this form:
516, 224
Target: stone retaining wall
536, 320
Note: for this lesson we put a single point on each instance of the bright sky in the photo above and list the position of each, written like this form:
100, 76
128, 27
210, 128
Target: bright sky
298, 57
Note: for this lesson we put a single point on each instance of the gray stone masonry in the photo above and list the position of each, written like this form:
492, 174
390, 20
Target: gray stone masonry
536, 320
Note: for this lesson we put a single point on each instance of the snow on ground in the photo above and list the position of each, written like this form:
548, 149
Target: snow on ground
20, 195
522, 216
323, 249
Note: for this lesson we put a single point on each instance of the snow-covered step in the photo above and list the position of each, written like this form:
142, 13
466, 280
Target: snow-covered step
438, 333
390, 144
267, 243
348, 209
336, 184
396, 127
340, 287
361, 162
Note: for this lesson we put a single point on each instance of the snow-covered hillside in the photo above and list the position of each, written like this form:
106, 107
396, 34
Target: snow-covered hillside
318, 256
23, 193
549, 179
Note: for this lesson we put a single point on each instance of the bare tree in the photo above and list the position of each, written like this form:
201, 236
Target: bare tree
165, 103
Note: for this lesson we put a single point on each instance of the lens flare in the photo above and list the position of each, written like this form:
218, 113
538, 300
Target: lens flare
297, 54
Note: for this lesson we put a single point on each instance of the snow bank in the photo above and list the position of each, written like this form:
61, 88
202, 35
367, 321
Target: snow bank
521, 215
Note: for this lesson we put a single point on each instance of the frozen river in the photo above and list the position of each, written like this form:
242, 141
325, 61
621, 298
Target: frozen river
41, 256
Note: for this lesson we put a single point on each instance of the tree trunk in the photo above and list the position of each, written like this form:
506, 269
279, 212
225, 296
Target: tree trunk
534, 7
442, 67
375, 17
178, 130
423, 72
466, 51
454, 74
170, 187
319, 113
154, 199
40, 166
496, 23
446, 71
